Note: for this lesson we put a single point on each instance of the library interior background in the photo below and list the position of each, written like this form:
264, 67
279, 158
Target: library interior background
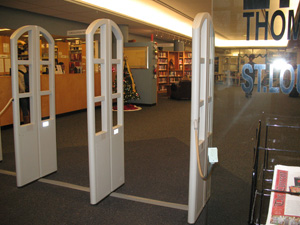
256, 111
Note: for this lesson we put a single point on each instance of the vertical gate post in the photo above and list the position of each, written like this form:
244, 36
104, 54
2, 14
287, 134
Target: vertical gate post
201, 111
106, 147
35, 142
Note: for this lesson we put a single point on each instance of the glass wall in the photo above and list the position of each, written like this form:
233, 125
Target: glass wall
257, 105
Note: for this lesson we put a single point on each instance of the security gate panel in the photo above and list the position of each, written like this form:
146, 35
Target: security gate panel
35, 141
117, 132
106, 147
25, 136
201, 112
47, 124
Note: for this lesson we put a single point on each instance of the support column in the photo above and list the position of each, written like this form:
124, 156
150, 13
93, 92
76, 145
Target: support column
125, 31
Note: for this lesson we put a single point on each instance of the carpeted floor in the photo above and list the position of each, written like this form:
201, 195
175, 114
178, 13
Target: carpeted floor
156, 165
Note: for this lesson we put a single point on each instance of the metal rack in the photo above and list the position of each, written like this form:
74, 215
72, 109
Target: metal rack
275, 151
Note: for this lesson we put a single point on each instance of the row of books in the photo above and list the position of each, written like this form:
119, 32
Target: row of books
162, 67
187, 61
163, 61
76, 56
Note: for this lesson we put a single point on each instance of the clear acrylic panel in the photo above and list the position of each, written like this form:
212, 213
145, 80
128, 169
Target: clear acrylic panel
97, 46
24, 78
98, 118
114, 46
114, 79
25, 117
97, 80
45, 107
44, 78
114, 90
44, 55
23, 50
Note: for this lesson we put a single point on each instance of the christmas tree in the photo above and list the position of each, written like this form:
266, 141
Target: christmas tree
129, 90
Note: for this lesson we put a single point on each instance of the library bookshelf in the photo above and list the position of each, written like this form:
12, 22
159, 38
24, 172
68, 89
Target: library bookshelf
172, 66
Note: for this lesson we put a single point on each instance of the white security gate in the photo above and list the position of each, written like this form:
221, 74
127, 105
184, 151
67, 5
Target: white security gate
35, 141
106, 145
201, 112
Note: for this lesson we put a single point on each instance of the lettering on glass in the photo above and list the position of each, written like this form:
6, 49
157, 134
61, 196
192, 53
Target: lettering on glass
265, 22
258, 68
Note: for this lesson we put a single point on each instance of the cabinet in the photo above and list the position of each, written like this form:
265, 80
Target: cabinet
229, 70
62, 49
44, 55
231, 64
70, 94
4, 55
172, 66
188, 64
77, 58
162, 71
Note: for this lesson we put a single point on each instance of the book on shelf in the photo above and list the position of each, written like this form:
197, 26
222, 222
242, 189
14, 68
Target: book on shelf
162, 74
163, 61
189, 55
162, 80
187, 61
172, 74
162, 54
284, 206
162, 67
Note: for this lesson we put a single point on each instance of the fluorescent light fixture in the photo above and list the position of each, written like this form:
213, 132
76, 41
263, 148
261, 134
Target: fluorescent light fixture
146, 11
73, 38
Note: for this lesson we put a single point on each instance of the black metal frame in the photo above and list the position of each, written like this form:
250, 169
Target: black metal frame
263, 191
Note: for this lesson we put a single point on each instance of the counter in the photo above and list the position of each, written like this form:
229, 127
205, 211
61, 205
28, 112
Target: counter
70, 94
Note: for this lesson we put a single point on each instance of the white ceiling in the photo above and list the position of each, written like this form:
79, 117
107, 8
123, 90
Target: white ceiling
70, 11
228, 19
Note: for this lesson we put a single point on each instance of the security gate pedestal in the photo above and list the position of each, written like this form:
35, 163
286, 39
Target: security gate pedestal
106, 147
201, 111
35, 142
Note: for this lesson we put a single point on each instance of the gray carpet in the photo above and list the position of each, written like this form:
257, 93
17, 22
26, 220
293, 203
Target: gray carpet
156, 163
155, 168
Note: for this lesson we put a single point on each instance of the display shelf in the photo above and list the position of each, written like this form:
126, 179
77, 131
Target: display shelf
280, 148
75, 64
228, 67
172, 67
62, 51
230, 63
